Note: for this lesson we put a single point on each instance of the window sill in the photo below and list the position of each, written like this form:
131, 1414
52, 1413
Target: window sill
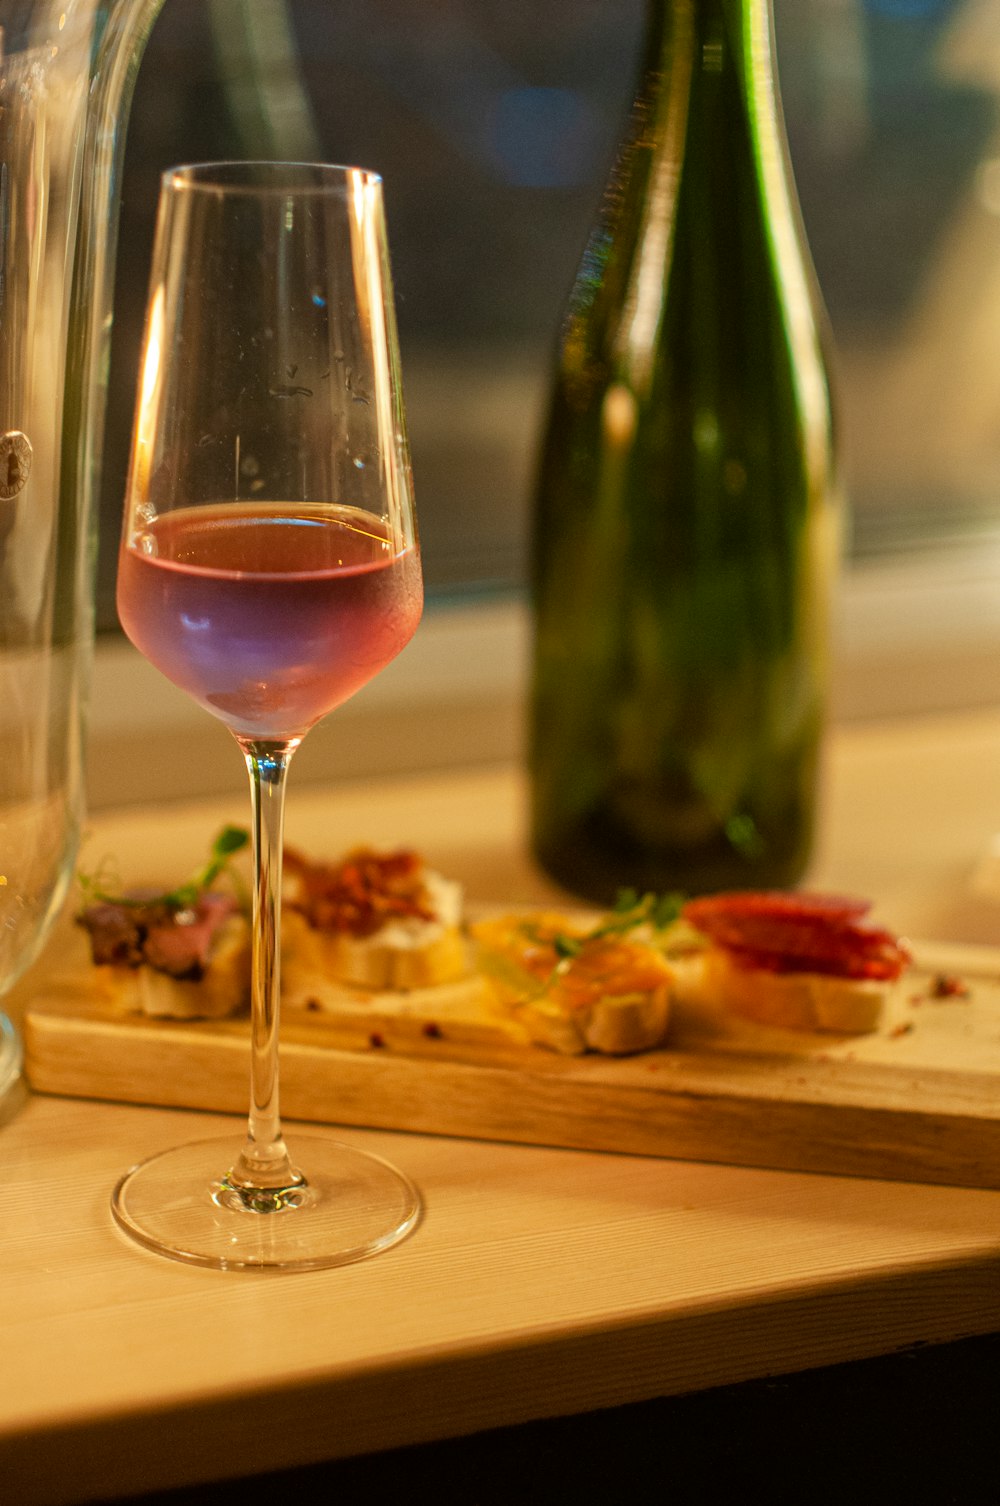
912, 637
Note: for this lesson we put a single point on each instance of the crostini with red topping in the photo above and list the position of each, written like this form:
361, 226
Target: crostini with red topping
797, 960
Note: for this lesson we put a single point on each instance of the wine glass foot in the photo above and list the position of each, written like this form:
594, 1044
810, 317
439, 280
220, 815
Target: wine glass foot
348, 1206
10, 1058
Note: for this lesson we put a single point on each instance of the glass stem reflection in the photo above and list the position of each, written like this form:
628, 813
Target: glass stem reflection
264, 1161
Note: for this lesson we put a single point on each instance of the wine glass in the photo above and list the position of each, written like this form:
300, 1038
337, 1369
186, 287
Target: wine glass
269, 566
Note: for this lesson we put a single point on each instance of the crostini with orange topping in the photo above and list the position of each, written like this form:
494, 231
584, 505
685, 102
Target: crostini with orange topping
579, 986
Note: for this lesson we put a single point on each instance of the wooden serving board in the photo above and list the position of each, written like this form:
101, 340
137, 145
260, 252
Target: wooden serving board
918, 1101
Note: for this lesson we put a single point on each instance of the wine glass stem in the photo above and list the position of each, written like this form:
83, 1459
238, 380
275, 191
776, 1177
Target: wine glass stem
264, 1161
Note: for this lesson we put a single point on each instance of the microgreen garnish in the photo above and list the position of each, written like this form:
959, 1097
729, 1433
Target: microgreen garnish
630, 911
97, 888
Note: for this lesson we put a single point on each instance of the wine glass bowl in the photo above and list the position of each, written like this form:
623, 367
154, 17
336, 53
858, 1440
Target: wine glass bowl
269, 566
270, 381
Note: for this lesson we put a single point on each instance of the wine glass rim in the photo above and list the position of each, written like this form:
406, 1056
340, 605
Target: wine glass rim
267, 176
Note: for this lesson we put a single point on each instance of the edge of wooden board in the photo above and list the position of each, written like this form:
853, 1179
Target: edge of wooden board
785, 1113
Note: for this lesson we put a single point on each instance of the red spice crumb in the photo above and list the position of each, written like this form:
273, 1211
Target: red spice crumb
946, 986
376, 1040
902, 1029
916, 999
432, 1031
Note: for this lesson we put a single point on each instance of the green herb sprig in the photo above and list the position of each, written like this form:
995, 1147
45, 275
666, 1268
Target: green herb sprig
631, 910
97, 888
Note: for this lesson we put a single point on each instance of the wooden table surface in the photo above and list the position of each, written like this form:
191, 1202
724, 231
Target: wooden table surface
541, 1282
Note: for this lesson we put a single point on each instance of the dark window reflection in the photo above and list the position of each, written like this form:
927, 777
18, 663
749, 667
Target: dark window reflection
494, 126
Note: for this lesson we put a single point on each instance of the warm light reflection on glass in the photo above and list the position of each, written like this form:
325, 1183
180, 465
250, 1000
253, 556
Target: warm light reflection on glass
145, 427
647, 282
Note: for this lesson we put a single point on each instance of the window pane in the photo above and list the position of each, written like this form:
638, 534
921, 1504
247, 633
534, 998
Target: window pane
494, 126
891, 108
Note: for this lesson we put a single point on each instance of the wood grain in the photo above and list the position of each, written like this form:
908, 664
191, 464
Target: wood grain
542, 1281
917, 1101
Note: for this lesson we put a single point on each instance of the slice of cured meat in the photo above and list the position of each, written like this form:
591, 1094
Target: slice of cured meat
174, 940
798, 932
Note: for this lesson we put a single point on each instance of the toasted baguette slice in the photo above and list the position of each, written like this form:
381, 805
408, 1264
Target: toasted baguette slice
223, 989
789, 1000
405, 953
613, 1024
612, 996
402, 958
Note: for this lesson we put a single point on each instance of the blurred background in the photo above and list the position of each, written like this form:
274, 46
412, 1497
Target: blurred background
494, 125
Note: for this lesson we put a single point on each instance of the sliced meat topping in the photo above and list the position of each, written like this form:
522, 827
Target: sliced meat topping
798, 932
172, 940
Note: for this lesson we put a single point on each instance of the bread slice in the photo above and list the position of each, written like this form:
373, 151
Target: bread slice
788, 1000
401, 953
574, 992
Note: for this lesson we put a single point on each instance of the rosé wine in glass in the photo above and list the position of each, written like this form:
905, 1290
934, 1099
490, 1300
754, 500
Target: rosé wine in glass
268, 615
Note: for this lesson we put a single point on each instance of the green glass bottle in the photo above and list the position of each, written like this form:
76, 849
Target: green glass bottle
686, 528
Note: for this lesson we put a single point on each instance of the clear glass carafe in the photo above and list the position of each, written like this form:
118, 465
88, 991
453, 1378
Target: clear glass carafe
67, 69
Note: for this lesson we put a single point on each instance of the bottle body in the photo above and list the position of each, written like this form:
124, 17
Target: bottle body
686, 522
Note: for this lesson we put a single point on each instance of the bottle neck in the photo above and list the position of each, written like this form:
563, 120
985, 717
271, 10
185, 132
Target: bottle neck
684, 38
706, 143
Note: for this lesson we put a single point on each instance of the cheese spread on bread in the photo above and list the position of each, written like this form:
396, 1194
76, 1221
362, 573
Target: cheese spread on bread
376, 922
